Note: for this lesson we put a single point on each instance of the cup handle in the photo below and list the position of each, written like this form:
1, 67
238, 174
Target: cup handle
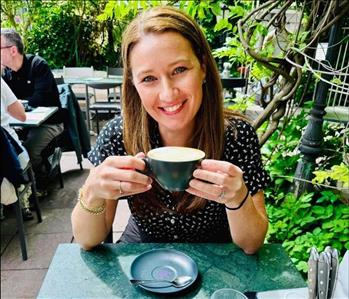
147, 169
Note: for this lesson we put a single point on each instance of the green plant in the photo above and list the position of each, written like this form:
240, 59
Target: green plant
62, 32
339, 173
310, 220
315, 219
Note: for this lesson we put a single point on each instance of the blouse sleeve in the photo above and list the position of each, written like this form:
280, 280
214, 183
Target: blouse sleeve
7, 95
109, 142
242, 149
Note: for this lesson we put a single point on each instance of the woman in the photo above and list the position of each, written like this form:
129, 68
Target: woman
172, 96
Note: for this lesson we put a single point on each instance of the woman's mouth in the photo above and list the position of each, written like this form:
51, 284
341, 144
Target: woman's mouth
173, 109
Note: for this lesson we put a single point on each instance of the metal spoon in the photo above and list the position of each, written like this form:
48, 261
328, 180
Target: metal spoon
178, 282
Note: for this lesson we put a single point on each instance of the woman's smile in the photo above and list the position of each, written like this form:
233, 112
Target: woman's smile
173, 109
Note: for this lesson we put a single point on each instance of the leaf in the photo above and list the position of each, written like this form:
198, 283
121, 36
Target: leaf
216, 8
236, 11
318, 210
222, 24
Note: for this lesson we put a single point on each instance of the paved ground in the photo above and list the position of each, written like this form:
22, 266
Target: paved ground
23, 279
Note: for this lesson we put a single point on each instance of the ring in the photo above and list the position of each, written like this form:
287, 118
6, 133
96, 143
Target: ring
221, 196
120, 189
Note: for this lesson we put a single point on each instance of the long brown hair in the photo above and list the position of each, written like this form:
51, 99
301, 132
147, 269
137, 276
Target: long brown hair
138, 125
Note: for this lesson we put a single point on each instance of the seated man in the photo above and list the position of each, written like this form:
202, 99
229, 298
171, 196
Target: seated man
31, 79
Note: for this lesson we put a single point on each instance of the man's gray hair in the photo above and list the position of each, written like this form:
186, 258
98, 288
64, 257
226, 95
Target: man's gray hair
13, 39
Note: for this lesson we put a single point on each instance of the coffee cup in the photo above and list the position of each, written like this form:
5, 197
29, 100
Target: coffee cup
173, 166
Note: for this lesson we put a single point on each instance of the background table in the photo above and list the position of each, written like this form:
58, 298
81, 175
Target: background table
35, 117
104, 272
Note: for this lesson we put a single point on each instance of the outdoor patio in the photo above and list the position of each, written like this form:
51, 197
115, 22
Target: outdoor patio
43, 238
283, 64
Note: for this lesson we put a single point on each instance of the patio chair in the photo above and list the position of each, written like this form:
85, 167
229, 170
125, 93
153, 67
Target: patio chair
11, 170
229, 85
75, 136
115, 71
79, 72
107, 107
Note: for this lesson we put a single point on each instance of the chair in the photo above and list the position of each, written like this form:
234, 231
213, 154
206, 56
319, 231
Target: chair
107, 106
78, 72
75, 136
10, 169
229, 84
114, 71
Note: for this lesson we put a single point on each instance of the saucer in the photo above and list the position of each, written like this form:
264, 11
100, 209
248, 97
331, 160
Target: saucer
163, 264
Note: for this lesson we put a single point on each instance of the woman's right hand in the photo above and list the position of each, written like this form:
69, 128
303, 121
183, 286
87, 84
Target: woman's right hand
116, 177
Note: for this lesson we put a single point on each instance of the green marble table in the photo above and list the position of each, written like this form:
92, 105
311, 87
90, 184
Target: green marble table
104, 271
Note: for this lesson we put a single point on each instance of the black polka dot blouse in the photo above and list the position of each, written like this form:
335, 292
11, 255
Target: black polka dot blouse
208, 224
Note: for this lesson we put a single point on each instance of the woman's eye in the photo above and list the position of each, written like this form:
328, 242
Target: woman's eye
180, 69
148, 79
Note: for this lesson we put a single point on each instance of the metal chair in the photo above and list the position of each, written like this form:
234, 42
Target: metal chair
114, 71
10, 168
108, 107
28, 171
79, 72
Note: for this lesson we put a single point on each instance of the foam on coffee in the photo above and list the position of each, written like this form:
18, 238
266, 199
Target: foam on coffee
176, 154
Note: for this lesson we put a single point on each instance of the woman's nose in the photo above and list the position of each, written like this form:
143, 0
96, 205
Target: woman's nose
168, 91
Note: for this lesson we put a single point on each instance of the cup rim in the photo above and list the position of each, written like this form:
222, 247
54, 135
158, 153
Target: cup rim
202, 153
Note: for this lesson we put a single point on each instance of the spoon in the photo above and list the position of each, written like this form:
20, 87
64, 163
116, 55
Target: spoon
178, 282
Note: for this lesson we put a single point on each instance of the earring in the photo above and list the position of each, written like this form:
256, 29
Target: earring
203, 82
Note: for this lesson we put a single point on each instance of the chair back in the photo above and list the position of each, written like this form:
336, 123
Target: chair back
106, 86
233, 82
114, 71
103, 86
76, 135
78, 72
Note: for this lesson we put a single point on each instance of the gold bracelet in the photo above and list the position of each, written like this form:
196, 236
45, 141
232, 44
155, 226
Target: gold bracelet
95, 211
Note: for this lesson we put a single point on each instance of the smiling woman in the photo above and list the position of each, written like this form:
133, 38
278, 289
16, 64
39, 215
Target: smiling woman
172, 96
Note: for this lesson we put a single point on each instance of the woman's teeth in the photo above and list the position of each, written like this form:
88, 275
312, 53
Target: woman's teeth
172, 108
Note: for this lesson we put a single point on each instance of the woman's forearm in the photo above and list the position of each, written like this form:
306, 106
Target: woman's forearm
249, 224
89, 230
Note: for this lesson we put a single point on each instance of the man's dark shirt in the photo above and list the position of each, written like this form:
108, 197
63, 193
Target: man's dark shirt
34, 82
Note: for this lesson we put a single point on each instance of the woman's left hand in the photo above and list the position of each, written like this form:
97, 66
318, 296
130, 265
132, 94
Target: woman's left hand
219, 181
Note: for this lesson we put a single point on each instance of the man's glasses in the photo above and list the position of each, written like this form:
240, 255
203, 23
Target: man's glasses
5, 47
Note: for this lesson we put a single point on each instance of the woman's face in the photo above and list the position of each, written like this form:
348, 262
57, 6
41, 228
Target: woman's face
168, 78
